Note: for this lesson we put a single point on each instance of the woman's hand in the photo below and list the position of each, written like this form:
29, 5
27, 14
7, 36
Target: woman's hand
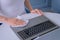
12, 21
3, 19
37, 11
15, 22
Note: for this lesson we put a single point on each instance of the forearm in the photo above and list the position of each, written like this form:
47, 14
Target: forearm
28, 5
3, 19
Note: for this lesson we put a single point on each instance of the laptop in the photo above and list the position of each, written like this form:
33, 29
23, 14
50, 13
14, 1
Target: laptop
37, 26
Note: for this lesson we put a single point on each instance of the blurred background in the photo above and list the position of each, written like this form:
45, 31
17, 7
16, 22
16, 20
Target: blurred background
46, 5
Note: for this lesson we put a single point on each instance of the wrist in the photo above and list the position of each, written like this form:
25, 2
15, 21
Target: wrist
3, 19
31, 9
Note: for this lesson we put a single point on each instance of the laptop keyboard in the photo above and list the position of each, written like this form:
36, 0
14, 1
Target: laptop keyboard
29, 32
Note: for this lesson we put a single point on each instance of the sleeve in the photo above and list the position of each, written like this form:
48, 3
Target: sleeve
0, 10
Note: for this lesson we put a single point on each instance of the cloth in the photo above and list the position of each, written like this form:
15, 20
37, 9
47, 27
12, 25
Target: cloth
12, 8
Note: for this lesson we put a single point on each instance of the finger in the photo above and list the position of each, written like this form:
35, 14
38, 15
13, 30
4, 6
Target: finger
39, 12
20, 22
33, 11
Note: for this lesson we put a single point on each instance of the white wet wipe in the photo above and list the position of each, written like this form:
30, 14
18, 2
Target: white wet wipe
26, 18
26, 22
29, 16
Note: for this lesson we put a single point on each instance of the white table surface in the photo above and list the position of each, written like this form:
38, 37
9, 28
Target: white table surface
6, 32
54, 17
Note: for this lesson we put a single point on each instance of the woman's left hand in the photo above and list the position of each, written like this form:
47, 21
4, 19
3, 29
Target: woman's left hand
37, 11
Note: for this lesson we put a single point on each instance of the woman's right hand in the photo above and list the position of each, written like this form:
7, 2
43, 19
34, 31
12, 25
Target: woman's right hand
3, 19
15, 21
12, 21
